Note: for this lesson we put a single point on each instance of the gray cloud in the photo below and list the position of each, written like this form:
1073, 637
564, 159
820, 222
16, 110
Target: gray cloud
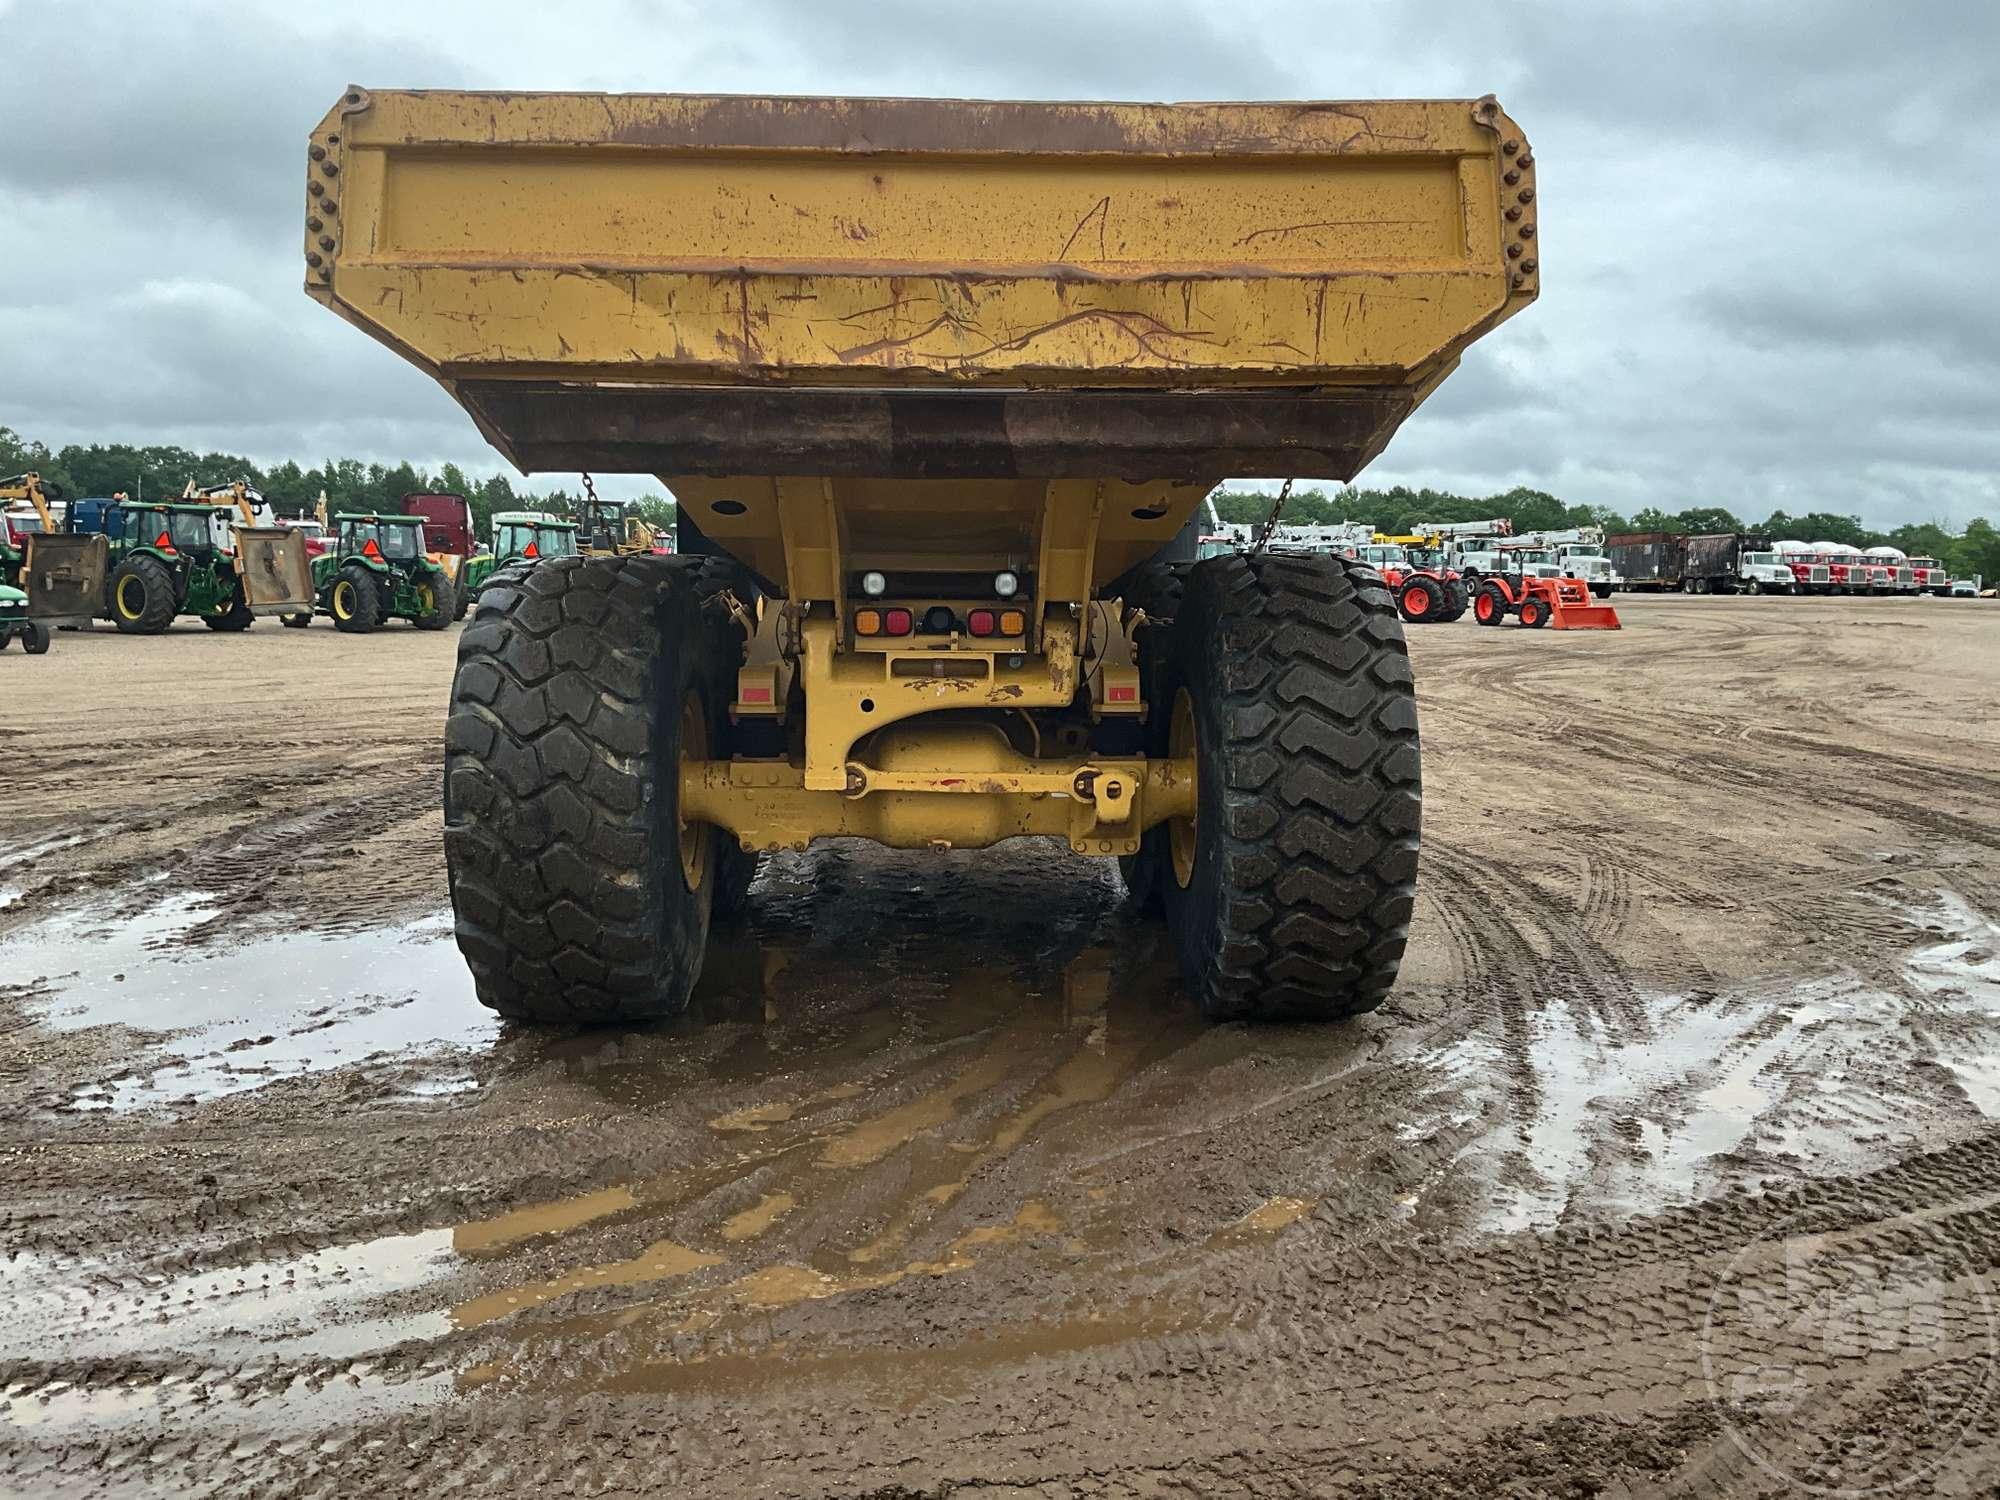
1765, 229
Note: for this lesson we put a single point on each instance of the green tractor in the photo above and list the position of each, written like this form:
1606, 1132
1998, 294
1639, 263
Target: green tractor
519, 536
14, 623
196, 557
376, 570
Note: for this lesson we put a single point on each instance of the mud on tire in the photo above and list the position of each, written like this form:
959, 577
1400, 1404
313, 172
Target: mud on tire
1304, 851
561, 787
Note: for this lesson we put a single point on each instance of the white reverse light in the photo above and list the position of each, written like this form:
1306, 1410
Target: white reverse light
1006, 585
874, 585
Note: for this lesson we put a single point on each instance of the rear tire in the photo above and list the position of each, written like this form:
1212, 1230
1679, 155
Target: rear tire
236, 617
1457, 600
1489, 606
444, 602
1157, 589
1290, 891
35, 638
579, 896
141, 592
355, 601
1419, 601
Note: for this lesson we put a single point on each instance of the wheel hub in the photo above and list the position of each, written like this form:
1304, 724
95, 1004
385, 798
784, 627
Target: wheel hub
1181, 745
694, 837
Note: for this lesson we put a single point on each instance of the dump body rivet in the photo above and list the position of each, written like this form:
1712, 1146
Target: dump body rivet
312, 257
326, 242
1511, 147
1527, 231
1513, 214
318, 153
315, 223
1527, 265
1513, 252
329, 167
1512, 178
1526, 195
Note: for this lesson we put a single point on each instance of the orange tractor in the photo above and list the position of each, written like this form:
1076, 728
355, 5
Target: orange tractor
1562, 602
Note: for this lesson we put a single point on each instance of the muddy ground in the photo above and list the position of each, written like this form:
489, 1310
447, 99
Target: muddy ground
1671, 1165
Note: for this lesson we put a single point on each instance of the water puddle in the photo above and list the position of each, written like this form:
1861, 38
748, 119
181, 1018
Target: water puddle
235, 1018
1801, 1074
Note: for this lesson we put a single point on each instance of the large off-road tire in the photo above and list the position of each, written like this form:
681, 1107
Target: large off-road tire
1489, 606
141, 595
355, 600
581, 684
1291, 888
236, 617
1156, 589
443, 608
35, 638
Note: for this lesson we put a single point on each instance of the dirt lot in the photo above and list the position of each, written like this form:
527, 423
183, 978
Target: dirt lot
1671, 1164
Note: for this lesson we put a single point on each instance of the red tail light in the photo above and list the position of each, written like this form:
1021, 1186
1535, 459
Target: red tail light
897, 622
980, 622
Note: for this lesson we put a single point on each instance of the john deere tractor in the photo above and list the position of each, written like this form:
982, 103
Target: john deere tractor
378, 570
211, 558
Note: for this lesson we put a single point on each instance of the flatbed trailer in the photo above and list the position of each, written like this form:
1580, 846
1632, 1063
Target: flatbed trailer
938, 387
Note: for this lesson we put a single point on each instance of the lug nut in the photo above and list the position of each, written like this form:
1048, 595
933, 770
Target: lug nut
1513, 214
1527, 160
1511, 147
318, 153
1527, 231
1510, 177
1527, 265
1513, 252
315, 223
312, 257
326, 242
1526, 195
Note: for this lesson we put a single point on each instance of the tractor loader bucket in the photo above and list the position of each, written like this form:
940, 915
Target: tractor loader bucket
63, 576
277, 575
1574, 609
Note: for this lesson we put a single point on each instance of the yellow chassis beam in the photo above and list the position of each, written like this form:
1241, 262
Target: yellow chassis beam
1100, 805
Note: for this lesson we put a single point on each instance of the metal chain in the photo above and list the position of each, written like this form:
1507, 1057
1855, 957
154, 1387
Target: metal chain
589, 489
1271, 522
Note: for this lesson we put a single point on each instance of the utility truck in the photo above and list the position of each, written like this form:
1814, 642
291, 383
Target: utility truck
938, 387
1580, 554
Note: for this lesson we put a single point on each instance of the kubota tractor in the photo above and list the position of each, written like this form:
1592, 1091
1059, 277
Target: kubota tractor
1425, 590
1535, 601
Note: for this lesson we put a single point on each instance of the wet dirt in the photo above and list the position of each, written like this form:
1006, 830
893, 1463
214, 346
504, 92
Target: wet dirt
941, 1186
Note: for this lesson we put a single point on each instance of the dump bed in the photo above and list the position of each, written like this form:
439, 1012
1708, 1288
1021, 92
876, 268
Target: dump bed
697, 285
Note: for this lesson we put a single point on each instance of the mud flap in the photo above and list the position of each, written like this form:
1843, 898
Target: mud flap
63, 576
277, 574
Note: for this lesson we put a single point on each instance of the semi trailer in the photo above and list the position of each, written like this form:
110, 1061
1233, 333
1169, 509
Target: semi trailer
939, 388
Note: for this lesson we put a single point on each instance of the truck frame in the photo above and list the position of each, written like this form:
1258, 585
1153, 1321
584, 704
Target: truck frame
938, 388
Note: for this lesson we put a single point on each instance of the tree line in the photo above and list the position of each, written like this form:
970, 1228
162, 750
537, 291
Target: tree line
1400, 510
159, 471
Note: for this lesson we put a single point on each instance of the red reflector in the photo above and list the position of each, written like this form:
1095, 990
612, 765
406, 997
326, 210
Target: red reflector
163, 542
533, 550
897, 622
980, 622
371, 550
1117, 694
756, 695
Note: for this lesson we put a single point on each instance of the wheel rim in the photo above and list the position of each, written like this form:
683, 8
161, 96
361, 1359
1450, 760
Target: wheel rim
1181, 745
694, 836
343, 600
129, 590
1418, 601
425, 598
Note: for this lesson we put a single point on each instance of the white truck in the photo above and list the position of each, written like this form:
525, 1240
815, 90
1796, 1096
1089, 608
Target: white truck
1580, 553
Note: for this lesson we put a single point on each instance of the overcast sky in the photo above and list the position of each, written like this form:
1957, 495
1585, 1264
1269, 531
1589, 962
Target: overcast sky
1768, 230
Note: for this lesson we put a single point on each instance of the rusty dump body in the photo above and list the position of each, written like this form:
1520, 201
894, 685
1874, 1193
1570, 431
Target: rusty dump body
946, 378
712, 287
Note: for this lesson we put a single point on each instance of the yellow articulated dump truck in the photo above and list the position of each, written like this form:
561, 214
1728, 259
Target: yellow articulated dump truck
939, 387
